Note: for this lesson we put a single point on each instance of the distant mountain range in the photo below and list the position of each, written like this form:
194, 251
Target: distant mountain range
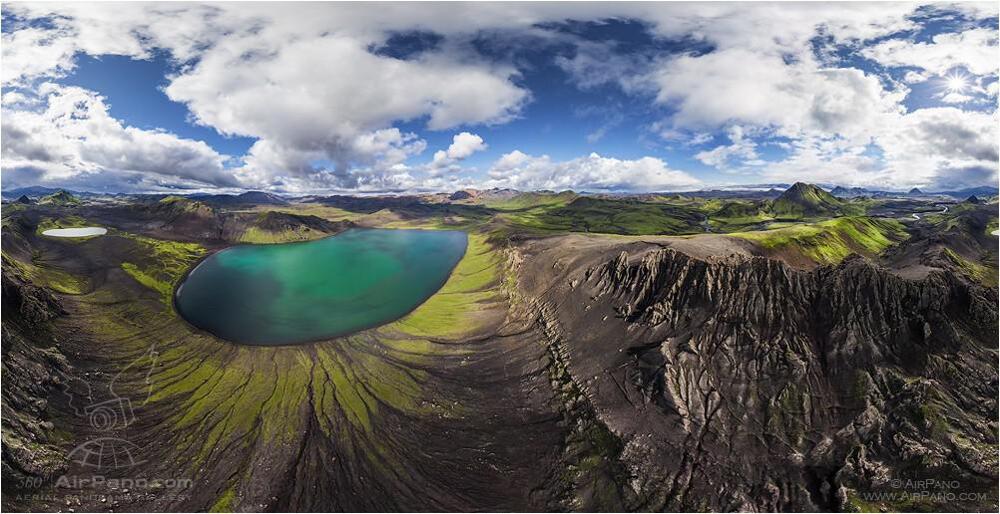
248, 198
843, 192
771, 191
37, 192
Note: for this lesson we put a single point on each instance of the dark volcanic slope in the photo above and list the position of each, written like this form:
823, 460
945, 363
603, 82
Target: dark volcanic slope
179, 218
561, 373
33, 369
740, 384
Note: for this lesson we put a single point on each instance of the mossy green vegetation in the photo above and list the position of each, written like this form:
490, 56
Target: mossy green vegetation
163, 263
47, 276
69, 221
706, 205
216, 396
233, 392
453, 310
148, 280
224, 408
627, 217
8, 209
952, 217
532, 200
803, 200
736, 215
742, 209
225, 502
829, 242
855, 503
59, 198
541, 213
178, 205
986, 275
270, 227
181, 202
257, 235
326, 212
545, 213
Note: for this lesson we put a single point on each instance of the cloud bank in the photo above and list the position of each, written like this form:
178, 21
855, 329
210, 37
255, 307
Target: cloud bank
854, 94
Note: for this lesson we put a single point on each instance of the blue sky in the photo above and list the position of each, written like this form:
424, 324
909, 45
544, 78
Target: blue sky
613, 97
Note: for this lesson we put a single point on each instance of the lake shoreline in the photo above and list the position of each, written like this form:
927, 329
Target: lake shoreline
360, 284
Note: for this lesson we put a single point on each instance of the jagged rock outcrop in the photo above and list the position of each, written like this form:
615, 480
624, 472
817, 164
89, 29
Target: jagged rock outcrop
462, 194
33, 369
584, 378
741, 384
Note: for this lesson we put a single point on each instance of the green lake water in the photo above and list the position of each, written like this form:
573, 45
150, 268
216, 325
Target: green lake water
300, 292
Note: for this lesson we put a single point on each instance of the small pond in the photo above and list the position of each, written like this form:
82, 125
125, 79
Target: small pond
75, 232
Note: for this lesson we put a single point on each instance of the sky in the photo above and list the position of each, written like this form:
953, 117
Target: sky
303, 98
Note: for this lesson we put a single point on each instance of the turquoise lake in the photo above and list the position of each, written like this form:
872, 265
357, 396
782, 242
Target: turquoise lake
300, 292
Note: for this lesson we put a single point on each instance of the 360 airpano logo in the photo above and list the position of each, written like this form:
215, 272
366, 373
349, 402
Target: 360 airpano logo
111, 417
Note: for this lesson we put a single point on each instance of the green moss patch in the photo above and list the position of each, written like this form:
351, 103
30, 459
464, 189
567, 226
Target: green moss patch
627, 217
163, 263
986, 275
53, 278
829, 242
64, 222
258, 235
453, 310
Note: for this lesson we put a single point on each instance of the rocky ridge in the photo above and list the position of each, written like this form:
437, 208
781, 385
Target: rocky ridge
741, 384
33, 370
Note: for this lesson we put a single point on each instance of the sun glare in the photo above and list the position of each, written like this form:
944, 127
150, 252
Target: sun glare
956, 83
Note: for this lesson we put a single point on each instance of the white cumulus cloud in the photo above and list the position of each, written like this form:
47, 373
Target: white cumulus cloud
463, 145
974, 49
591, 173
72, 133
325, 107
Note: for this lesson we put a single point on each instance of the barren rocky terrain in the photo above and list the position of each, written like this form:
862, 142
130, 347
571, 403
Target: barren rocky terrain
823, 364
